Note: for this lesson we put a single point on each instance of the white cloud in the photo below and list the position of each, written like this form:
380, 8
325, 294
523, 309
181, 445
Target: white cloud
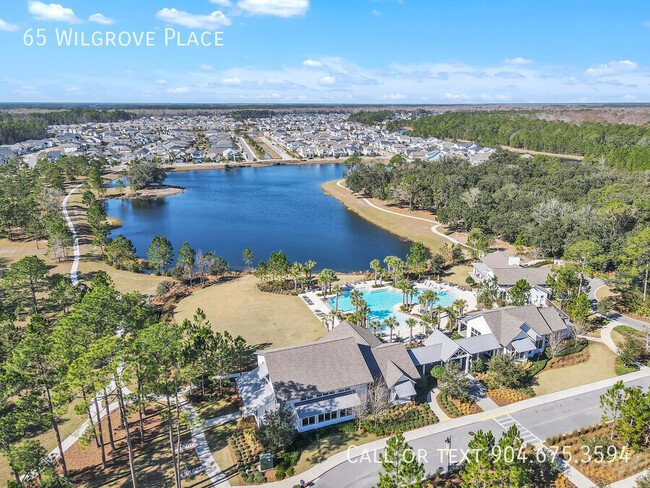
279, 8
206, 67
179, 90
327, 80
221, 3
231, 81
215, 20
647, 23
394, 96
101, 19
612, 68
6, 26
52, 12
311, 63
518, 60
376, 12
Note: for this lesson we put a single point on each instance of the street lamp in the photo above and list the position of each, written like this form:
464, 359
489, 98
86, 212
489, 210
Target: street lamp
448, 452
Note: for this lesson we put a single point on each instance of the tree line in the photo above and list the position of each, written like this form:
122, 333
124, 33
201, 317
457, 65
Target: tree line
103, 336
622, 146
540, 204
371, 117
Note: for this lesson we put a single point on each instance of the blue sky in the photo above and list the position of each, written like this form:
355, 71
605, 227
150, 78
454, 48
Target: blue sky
333, 51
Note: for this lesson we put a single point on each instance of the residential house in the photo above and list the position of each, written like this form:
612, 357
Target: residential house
508, 270
325, 381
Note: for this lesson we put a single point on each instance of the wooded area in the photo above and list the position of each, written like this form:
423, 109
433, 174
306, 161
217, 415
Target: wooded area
620, 146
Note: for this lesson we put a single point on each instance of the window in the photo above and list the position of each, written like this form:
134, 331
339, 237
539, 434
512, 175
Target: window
321, 418
335, 414
312, 420
305, 422
475, 333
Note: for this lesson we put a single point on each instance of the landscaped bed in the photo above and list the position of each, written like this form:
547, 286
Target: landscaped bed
456, 408
617, 462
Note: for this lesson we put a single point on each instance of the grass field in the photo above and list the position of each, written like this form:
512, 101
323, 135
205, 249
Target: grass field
415, 230
263, 319
600, 365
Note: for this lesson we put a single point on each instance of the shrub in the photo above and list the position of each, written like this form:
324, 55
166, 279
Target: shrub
280, 474
259, 477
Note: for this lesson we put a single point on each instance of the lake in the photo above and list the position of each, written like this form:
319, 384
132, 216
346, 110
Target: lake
267, 209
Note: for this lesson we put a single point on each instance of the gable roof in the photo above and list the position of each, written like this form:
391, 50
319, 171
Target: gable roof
506, 323
346, 330
392, 362
316, 367
497, 259
509, 276
448, 347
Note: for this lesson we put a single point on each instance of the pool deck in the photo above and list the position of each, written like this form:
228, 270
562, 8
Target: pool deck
320, 307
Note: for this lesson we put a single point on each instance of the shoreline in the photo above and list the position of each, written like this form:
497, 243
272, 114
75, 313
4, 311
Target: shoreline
160, 191
257, 164
417, 231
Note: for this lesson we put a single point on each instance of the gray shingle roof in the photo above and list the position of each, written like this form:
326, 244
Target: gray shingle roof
505, 323
510, 276
316, 367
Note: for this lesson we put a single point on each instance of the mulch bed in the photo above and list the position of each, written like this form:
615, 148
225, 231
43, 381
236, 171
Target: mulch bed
569, 359
84, 464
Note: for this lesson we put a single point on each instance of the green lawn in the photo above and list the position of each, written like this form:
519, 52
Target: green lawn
263, 319
217, 438
600, 365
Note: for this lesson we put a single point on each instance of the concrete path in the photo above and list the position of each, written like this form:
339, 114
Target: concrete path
477, 392
434, 229
433, 403
210, 466
620, 319
75, 246
629, 482
221, 420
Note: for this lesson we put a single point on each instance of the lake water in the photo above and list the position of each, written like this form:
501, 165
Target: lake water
266, 209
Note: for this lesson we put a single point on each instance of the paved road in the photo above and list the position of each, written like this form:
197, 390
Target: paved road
597, 283
540, 421
250, 156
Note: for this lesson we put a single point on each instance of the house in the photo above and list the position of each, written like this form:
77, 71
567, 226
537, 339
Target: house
325, 381
508, 270
520, 332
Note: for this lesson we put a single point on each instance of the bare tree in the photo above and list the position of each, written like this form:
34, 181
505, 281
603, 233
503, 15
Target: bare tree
556, 343
374, 403
201, 265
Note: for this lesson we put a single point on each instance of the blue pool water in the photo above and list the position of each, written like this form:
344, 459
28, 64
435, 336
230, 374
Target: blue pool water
381, 303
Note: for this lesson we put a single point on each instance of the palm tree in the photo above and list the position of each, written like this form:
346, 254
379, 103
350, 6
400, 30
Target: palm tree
459, 305
391, 323
439, 309
427, 299
451, 312
334, 314
308, 266
427, 323
411, 322
376, 266
364, 312
374, 326
355, 298
408, 290
337, 290
296, 272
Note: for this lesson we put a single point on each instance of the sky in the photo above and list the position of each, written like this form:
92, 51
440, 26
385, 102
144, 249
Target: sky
328, 51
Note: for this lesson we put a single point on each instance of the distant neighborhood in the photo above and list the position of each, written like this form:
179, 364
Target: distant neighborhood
215, 139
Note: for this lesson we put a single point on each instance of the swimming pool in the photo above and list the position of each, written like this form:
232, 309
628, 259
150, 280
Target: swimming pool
381, 303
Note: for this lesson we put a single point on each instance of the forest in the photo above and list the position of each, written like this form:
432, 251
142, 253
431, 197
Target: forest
621, 146
370, 117
22, 127
542, 203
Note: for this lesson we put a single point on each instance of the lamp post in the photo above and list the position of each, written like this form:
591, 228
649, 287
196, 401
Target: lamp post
448, 452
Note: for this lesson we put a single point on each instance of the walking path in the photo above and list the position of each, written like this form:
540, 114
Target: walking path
434, 229
433, 403
75, 247
477, 391
208, 463
222, 420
